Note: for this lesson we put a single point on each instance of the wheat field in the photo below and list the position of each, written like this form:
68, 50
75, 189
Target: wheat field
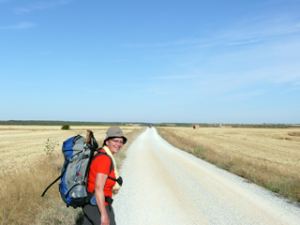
26, 171
21, 146
279, 146
267, 157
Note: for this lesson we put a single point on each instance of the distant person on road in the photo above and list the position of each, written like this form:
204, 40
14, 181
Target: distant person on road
104, 180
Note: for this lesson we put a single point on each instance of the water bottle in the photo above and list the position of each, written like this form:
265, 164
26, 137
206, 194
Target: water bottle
79, 191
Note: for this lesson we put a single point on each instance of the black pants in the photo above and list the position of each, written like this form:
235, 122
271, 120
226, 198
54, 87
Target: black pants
92, 215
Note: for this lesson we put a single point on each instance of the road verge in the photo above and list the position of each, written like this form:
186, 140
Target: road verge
266, 175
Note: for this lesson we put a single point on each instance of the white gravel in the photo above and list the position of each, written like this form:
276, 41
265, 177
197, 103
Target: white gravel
164, 185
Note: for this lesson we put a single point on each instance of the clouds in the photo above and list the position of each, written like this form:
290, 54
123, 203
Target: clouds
19, 26
30, 8
164, 44
247, 31
243, 95
253, 53
40, 6
199, 57
259, 52
261, 28
174, 77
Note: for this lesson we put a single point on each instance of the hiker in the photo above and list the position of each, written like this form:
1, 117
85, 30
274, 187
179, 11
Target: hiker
104, 181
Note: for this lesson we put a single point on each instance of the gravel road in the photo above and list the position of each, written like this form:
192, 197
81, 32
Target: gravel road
164, 185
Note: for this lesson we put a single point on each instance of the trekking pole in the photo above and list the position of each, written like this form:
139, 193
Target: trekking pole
87, 140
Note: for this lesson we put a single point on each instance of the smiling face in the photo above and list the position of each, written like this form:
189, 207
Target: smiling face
114, 144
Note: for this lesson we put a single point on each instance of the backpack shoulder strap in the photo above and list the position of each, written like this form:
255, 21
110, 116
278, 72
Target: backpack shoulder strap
90, 195
103, 153
111, 166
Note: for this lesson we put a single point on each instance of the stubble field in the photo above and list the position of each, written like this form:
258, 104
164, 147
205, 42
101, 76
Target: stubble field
22, 146
26, 170
279, 146
267, 157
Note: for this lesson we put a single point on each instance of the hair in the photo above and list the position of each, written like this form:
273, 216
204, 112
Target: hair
104, 142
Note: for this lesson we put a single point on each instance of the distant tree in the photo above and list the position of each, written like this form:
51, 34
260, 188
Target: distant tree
65, 127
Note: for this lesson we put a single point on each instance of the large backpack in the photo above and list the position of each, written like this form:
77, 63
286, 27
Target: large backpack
79, 154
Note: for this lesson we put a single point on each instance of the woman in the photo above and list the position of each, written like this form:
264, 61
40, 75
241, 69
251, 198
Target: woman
104, 180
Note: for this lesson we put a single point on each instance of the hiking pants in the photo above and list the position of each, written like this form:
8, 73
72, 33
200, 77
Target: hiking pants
92, 215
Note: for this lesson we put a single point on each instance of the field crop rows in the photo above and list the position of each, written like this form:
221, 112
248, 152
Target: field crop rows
267, 157
278, 146
24, 164
20, 146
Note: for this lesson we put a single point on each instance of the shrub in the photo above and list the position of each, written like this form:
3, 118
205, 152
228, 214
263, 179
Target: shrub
65, 127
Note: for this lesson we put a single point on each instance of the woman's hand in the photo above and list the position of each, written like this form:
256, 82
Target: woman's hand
104, 219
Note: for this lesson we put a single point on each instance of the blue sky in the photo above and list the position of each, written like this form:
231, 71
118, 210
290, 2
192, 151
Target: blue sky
211, 61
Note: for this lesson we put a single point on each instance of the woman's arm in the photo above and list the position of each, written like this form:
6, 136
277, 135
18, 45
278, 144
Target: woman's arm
100, 197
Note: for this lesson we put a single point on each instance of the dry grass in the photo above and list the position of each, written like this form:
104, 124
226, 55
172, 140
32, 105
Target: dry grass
20, 146
21, 190
268, 159
26, 171
294, 134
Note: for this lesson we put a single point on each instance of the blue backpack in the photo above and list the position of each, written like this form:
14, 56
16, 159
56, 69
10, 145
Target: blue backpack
79, 154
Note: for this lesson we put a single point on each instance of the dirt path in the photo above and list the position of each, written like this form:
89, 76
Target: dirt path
164, 185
